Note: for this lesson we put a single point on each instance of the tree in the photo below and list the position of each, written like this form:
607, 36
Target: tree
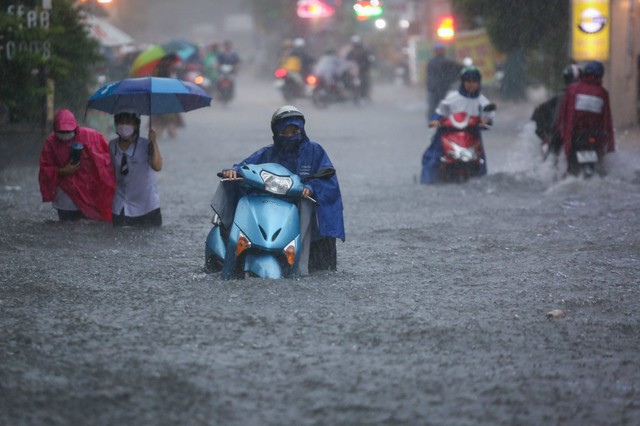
534, 35
67, 58
275, 15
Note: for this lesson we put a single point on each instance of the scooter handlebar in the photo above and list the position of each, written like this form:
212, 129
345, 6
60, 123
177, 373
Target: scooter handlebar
481, 126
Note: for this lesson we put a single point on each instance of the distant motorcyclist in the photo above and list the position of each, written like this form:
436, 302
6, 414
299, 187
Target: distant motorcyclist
306, 60
441, 74
468, 100
546, 114
228, 56
228, 68
210, 62
296, 61
335, 72
585, 113
364, 59
293, 149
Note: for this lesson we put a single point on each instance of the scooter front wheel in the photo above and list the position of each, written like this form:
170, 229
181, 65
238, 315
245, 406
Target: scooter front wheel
213, 264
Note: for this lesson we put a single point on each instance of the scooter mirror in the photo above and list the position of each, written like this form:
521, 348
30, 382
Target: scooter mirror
445, 109
324, 173
489, 108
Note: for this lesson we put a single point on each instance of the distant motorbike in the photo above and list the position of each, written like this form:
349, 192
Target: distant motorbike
264, 240
344, 89
225, 86
583, 156
195, 76
461, 145
293, 85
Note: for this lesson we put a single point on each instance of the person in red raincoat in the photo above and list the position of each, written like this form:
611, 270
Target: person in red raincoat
82, 189
585, 112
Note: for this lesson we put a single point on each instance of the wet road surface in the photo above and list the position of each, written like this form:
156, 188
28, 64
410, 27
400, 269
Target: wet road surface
437, 314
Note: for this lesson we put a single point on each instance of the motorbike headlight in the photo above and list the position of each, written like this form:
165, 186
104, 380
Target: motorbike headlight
290, 252
462, 154
276, 184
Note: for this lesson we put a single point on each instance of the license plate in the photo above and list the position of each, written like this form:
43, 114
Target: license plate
587, 157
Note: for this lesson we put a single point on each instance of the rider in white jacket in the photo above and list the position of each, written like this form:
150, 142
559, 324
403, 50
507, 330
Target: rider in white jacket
468, 100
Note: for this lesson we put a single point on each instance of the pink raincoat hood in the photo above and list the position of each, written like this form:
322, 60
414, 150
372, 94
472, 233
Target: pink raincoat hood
64, 121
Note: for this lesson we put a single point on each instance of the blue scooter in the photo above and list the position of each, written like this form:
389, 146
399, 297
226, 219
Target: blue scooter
264, 239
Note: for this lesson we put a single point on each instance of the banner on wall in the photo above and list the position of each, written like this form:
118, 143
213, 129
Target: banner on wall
477, 46
590, 30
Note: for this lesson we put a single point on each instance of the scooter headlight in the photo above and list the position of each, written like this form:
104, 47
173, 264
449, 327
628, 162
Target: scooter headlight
243, 244
290, 252
462, 154
276, 184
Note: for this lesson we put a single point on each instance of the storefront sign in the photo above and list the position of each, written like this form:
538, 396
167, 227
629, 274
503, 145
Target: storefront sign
476, 46
31, 15
590, 29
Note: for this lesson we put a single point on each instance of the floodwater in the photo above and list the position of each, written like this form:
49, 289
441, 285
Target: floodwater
437, 314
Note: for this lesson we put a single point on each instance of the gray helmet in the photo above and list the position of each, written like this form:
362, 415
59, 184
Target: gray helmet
286, 111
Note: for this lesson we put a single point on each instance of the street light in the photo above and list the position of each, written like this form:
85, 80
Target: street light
445, 29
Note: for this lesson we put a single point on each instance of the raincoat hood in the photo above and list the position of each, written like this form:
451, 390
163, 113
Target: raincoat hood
64, 121
280, 125
289, 143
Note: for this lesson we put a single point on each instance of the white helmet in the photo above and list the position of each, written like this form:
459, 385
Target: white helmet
298, 42
286, 111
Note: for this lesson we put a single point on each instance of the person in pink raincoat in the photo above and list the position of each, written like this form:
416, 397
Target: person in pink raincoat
82, 189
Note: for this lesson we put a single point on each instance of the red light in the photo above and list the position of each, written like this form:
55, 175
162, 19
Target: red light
446, 28
312, 80
314, 9
280, 73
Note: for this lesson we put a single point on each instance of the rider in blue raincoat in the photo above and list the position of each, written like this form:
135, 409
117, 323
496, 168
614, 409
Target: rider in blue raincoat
468, 99
293, 149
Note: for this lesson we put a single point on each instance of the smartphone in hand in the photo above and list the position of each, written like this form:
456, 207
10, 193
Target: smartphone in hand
76, 151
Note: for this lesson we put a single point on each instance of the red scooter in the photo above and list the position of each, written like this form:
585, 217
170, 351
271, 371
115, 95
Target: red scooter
463, 154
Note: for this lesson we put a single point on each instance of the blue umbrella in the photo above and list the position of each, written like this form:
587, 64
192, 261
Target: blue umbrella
149, 96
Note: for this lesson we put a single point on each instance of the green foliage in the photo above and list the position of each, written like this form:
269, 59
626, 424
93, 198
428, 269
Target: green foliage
67, 58
279, 15
540, 28
77, 57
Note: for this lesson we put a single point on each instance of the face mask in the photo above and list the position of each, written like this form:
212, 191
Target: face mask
66, 136
125, 131
289, 143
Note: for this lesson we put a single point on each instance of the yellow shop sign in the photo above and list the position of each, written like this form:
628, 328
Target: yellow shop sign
590, 29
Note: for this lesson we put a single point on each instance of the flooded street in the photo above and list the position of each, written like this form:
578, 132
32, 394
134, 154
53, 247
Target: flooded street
437, 314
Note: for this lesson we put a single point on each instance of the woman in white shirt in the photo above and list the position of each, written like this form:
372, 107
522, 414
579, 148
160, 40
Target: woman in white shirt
136, 161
